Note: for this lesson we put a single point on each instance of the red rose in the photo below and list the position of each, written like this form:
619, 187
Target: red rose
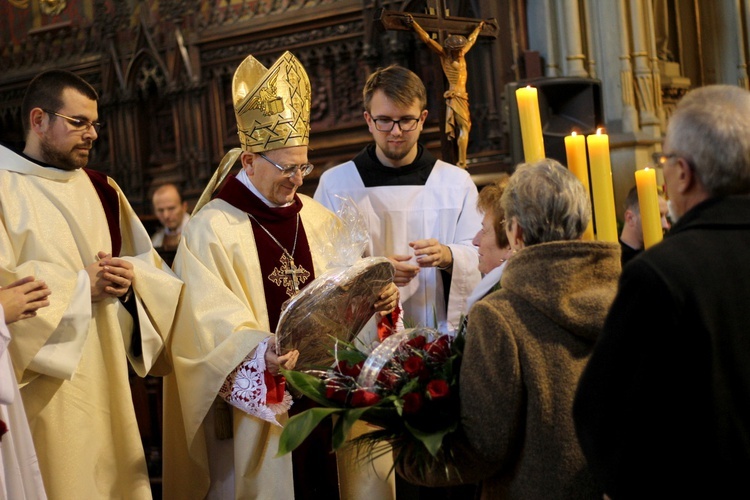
334, 392
412, 402
388, 379
417, 342
350, 370
364, 398
413, 365
438, 389
440, 349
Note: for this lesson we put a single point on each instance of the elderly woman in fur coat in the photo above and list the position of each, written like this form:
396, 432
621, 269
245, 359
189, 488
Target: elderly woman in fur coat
526, 346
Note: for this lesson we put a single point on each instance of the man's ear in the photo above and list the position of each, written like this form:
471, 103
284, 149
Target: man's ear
423, 117
36, 120
685, 179
370, 123
247, 159
630, 217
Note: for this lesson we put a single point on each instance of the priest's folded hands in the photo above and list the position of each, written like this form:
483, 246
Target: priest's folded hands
109, 277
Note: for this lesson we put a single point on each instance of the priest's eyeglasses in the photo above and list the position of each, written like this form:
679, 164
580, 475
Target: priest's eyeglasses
386, 124
79, 124
290, 170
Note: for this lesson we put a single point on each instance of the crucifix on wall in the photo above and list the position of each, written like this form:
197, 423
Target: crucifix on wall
455, 36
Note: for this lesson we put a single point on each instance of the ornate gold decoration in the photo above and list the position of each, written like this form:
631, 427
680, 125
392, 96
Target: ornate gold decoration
289, 275
52, 7
272, 106
20, 4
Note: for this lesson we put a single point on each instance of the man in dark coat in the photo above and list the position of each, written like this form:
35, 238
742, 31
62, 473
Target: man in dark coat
663, 407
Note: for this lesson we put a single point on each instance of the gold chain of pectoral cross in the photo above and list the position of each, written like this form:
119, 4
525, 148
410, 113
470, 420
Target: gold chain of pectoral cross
288, 275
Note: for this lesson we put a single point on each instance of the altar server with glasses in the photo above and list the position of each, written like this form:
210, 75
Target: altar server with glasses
421, 211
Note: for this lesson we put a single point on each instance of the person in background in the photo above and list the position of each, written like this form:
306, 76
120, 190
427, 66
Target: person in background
114, 297
20, 476
663, 407
172, 212
421, 211
527, 344
244, 254
631, 236
491, 241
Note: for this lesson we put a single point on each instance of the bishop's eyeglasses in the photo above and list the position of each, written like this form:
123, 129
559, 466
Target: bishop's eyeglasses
405, 124
79, 124
290, 170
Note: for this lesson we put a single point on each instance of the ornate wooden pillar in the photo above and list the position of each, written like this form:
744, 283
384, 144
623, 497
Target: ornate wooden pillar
644, 77
627, 95
574, 55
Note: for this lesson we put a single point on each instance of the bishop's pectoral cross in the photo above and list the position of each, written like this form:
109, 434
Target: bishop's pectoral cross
441, 24
289, 275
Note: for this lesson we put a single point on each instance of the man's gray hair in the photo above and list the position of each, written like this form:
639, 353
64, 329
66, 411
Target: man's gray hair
548, 201
710, 128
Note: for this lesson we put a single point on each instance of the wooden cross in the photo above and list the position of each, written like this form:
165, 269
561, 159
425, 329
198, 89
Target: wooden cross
437, 21
441, 24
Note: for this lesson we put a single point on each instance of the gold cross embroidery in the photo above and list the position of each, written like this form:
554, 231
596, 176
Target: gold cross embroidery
289, 275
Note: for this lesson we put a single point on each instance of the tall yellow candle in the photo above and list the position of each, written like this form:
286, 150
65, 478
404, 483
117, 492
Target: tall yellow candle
601, 186
531, 123
575, 149
648, 203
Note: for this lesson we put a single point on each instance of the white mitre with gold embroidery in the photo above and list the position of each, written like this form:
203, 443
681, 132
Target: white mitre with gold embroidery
272, 105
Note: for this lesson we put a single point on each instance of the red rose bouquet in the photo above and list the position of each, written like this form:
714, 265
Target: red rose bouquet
407, 387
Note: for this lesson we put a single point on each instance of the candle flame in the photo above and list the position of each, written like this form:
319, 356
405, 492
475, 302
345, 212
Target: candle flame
599, 131
574, 133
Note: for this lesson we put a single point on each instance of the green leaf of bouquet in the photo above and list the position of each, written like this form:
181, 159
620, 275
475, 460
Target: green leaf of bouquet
309, 385
300, 426
351, 357
344, 424
431, 440
411, 386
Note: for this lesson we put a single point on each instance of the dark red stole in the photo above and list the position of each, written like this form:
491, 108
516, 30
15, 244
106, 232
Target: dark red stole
111, 205
282, 224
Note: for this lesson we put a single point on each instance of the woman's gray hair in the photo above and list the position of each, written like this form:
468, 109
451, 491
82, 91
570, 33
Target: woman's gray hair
710, 128
548, 201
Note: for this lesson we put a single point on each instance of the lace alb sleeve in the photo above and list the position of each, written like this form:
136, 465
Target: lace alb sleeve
245, 388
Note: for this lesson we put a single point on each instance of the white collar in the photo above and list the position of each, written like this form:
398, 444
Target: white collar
489, 280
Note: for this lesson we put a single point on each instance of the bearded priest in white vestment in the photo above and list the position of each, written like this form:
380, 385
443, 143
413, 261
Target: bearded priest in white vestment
242, 255
113, 299
421, 212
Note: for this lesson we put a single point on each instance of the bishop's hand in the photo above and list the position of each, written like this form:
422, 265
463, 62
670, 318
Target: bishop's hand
387, 300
